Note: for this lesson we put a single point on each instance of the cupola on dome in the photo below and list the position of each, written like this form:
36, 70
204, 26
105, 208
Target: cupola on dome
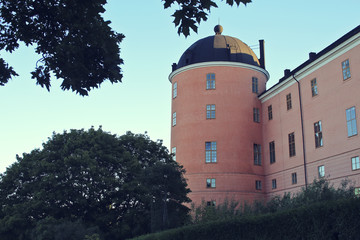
218, 48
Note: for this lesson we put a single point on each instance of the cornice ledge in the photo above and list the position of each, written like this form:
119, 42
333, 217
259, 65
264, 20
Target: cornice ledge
217, 64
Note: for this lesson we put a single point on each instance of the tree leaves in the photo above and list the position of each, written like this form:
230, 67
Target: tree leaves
192, 12
6, 72
75, 42
97, 178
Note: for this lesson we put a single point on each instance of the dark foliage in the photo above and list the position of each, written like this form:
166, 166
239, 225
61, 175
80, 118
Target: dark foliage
192, 12
120, 185
75, 43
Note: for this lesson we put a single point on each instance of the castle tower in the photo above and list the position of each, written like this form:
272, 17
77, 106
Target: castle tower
216, 132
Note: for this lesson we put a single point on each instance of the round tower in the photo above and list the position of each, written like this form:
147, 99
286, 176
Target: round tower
216, 129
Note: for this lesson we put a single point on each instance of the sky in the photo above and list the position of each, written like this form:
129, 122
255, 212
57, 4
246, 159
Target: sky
30, 114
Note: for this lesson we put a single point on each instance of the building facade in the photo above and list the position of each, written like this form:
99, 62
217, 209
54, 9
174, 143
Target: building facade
239, 141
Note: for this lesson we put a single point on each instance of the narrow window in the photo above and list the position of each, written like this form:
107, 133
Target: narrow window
288, 102
272, 151
314, 88
210, 111
175, 90
351, 121
273, 183
256, 115
173, 151
294, 178
210, 81
357, 191
318, 134
270, 112
255, 85
292, 151
210, 152
258, 185
174, 119
257, 154
321, 170
211, 183
346, 69
355, 163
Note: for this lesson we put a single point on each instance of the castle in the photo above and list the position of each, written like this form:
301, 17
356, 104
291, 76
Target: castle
240, 141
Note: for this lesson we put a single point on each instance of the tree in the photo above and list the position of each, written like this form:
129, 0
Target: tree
192, 12
94, 178
75, 43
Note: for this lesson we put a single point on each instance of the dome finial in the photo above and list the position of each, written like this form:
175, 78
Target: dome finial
218, 29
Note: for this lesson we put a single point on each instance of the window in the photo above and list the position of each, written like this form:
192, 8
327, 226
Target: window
173, 151
210, 152
351, 121
255, 85
355, 163
210, 81
294, 178
175, 90
292, 144
257, 154
211, 183
321, 170
270, 112
272, 151
318, 134
258, 185
357, 191
273, 183
256, 115
210, 111
346, 69
211, 203
288, 102
314, 89
174, 119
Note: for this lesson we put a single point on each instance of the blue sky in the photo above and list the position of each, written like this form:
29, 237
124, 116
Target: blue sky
142, 102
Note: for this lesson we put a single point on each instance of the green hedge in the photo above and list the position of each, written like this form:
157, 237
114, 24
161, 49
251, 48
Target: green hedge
326, 220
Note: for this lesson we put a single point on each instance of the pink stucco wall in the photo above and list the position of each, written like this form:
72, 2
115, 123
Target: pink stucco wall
334, 96
233, 129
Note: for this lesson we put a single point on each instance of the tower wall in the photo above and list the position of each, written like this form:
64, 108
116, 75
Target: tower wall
233, 129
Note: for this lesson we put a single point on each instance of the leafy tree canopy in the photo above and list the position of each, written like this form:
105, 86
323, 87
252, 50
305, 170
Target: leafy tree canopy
75, 43
192, 12
120, 186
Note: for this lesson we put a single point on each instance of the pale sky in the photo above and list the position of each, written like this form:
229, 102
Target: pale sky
142, 102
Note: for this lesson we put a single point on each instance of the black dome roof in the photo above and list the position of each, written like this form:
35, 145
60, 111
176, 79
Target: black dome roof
218, 48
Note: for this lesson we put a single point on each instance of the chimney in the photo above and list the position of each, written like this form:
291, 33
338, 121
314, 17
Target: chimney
174, 66
262, 53
286, 72
312, 56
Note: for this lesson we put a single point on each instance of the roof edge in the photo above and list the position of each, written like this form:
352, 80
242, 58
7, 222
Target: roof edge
314, 59
218, 64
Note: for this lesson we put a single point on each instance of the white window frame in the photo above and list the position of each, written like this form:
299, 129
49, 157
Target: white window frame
351, 121
210, 183
173, 151
174, 119
210, 81
210, 111
345, 65
321, 171
355, 163
211, 152
175, 90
